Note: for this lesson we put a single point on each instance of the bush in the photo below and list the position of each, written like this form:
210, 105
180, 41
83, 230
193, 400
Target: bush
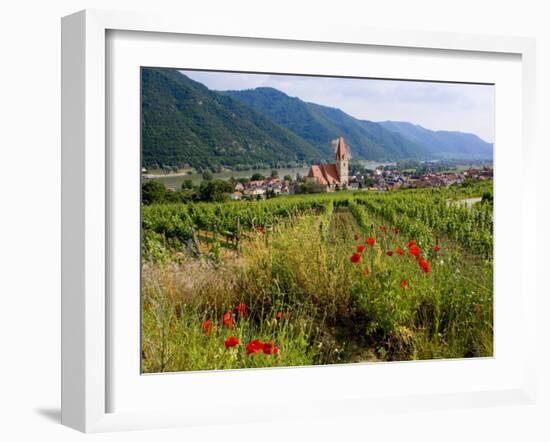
152, 192
215, 190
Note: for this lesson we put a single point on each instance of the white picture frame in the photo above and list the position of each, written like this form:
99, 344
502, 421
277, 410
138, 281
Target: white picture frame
87, 319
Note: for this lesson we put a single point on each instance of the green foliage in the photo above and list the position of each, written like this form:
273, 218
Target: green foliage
310, 187
487, 197
215, 190
184, 122
187, 184
257, 177
152, 192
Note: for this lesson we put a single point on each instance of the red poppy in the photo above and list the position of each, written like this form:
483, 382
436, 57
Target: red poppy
424, 265
241, 308
389, 253
355, 258
436, 248
268, 347
383, 229
206, 326
360, 249
356, 237
228, 320
232, 341
370, 241
412, 242
399, 251
365, 271
404, 284
275, 350
414, 251
279, 315
254, 347
261, 230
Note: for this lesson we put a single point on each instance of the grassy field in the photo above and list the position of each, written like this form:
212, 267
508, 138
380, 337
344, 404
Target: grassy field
321, 279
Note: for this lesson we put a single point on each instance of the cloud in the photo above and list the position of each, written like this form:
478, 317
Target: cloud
438, 106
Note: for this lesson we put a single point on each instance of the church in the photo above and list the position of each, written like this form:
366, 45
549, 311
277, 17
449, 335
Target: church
332, 175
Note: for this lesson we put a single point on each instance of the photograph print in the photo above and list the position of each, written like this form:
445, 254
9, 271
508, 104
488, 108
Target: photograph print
294, 220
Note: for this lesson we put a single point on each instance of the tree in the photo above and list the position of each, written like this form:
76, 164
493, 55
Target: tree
214, 190
287, 178
368, 181
152, 192
207, 175
274, 173
257, 177
187, 184
309, 187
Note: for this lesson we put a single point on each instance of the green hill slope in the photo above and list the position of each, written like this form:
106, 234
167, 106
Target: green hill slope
185, 123
321, 124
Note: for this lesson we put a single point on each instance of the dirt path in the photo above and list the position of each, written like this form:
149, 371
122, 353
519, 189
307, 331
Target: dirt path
342, 227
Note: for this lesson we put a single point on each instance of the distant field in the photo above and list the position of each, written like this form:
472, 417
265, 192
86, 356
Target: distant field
318, 279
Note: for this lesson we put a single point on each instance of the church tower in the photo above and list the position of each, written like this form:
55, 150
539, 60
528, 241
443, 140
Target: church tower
342, 158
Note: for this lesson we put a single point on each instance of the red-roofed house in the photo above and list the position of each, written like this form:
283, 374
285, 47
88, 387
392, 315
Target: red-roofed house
332, 175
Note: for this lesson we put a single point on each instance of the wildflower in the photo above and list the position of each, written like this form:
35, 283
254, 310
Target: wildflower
206, 326
279, 315
436, 248
404, 284
355, 258
228, 320
254, 347
275, 350
383, 229
389, 253
396, 230
268, 347
232, 341
365, 271
360, 249
370, 241
424, 265
399, 251
414, 251
412, 242
241, 308
355, 237
261, 230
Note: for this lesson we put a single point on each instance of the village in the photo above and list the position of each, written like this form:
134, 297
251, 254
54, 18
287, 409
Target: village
385, 179
337, 176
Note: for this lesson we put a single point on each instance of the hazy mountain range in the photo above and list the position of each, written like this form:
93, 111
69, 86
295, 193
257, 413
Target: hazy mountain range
183, 122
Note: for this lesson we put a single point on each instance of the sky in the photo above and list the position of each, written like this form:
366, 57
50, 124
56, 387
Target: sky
437, 106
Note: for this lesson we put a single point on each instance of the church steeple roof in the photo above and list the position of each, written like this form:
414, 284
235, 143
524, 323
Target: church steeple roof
341, 150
